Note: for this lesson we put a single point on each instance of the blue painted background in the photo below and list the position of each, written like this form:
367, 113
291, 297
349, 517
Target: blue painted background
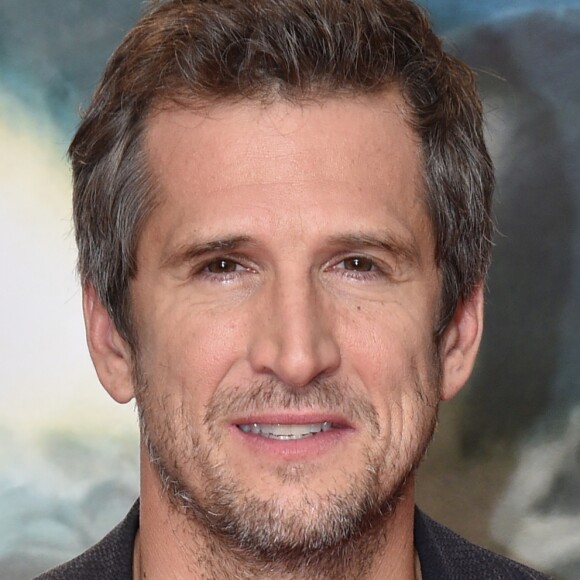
505, 466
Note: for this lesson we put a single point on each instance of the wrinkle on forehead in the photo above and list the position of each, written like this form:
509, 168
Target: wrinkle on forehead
274, 135
281, 163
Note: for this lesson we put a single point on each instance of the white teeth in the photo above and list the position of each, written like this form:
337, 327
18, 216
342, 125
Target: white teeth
285, 432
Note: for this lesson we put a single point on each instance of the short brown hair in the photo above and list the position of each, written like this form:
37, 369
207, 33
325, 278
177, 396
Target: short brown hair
198, 52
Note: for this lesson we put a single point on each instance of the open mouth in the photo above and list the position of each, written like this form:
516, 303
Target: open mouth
286, 432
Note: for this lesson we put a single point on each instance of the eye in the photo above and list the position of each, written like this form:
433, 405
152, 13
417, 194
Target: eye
222, 266
358, 264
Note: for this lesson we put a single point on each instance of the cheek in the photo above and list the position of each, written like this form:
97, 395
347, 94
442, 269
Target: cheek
392, 353
384, 339
190, 352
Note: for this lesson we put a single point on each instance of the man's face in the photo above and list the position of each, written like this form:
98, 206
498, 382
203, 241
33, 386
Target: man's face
284, 305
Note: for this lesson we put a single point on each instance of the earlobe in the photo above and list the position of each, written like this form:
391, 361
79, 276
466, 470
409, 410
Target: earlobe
110, 353
460, 343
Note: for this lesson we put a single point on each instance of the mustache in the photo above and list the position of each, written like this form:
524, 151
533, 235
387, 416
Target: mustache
334, 396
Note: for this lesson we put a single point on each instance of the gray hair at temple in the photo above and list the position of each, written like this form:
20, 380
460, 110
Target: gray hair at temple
198, 53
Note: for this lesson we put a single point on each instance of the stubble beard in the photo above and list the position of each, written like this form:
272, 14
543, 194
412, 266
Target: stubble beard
332, 535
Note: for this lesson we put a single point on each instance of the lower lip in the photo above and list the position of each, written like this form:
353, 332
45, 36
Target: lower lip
303, 448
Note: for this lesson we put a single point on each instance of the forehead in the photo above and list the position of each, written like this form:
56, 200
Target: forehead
339, 163
250, 127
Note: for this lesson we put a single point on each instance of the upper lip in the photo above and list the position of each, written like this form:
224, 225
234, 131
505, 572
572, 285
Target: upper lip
297, 418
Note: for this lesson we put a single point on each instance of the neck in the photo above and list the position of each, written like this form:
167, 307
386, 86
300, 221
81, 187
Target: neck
172, 545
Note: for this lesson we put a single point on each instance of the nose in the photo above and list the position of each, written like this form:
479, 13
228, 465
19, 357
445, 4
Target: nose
293, 335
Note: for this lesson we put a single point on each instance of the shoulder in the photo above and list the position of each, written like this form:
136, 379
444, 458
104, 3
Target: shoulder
445, 555
110, 559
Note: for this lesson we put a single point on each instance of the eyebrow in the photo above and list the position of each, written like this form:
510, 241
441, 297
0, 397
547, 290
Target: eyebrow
396, 245
187, 252
400, 247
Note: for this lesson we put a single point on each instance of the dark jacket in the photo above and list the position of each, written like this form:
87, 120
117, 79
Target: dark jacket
443, 555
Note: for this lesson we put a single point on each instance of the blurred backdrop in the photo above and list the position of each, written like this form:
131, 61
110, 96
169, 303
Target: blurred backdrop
504, 469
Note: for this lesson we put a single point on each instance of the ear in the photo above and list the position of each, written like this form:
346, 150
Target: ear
110, 353
460, 343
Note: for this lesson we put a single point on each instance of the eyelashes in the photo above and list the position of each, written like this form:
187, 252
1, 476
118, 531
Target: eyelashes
225, 269
222, 270
222, 266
